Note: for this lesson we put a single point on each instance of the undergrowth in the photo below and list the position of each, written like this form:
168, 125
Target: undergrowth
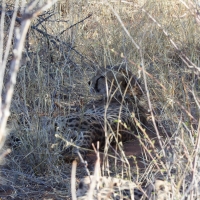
65, 45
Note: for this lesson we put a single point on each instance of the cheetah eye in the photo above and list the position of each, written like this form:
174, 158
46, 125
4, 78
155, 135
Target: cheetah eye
56, 127
101, 77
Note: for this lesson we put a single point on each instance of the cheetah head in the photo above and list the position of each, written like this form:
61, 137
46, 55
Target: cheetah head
117, 81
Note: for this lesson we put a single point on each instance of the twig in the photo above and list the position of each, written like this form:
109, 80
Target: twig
84, 163
151, 143
149, 104
195, 160
73, 180
75, 24
122, 24
35, 27
95, 181
9, 42
61, 42
44, 19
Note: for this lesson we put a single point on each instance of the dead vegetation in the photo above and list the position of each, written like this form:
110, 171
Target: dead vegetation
64, 46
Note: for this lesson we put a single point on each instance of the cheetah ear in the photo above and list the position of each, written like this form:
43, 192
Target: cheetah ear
130, 82
128, 77
101, 71
98, 71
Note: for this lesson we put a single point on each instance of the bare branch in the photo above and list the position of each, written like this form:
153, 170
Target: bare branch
17, 52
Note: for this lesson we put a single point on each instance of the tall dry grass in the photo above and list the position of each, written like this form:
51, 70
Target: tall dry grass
64, 46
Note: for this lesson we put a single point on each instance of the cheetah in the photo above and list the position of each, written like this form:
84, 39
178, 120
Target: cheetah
115, 188
112, 116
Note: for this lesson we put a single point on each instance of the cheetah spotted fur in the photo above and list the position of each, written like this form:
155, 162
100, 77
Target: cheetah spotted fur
113, 113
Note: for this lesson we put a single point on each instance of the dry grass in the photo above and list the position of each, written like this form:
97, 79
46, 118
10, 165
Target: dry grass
162, 46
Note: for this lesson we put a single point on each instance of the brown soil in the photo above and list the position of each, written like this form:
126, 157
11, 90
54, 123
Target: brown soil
133, 149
